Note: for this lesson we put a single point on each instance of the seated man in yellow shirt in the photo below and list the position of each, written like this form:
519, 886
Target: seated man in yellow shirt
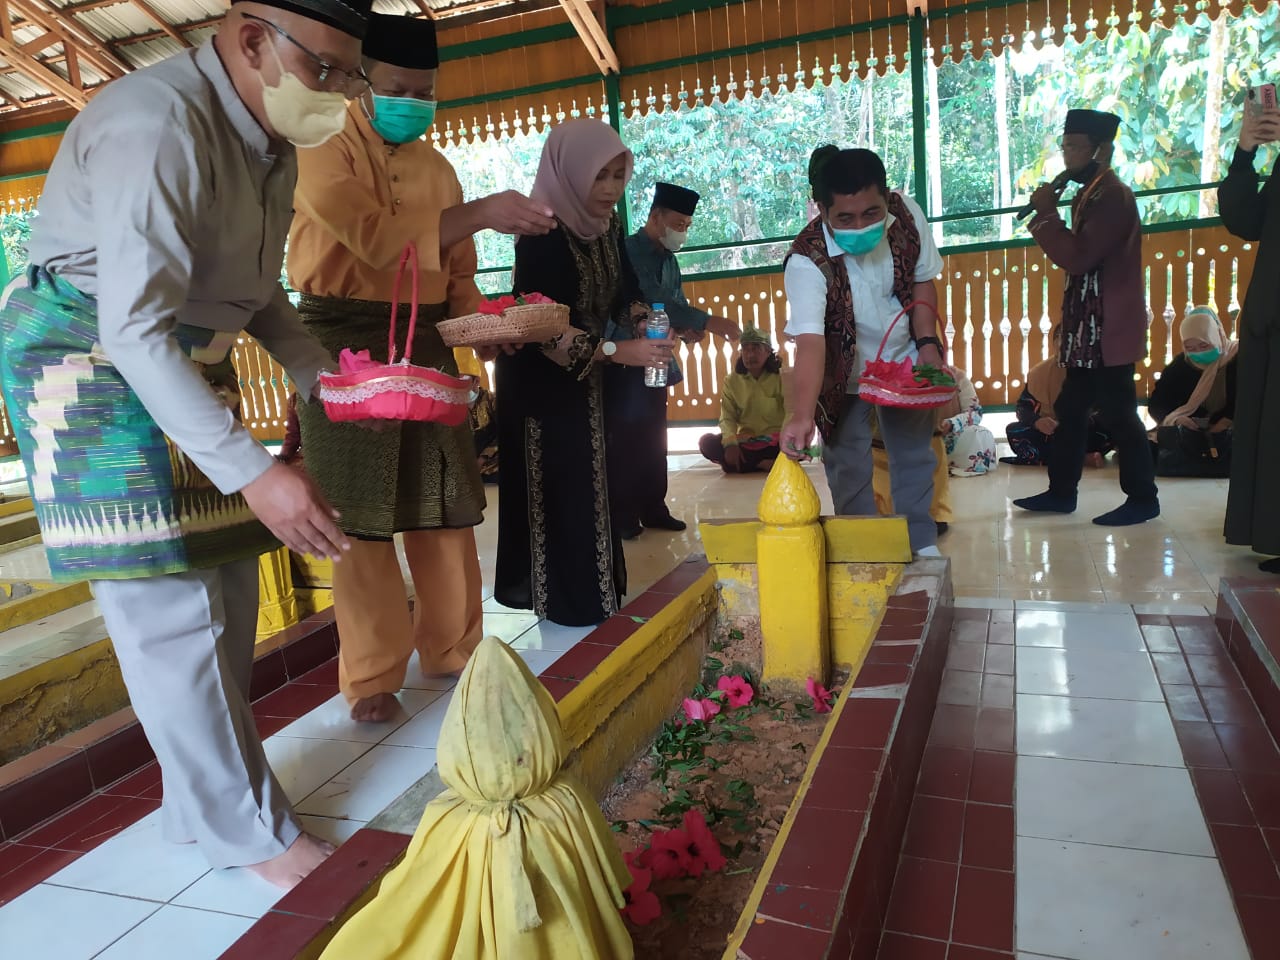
751, 409
361, 198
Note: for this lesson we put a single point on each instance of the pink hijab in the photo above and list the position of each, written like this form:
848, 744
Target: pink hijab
572, 158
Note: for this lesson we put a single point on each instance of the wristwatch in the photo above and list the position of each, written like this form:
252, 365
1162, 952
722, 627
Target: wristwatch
608, 348
925, 341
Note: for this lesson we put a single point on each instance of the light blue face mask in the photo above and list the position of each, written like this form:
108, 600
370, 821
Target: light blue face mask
401, 119
1205, 358
861, 241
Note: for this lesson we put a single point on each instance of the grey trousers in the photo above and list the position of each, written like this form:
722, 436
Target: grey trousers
908, 439
185, 645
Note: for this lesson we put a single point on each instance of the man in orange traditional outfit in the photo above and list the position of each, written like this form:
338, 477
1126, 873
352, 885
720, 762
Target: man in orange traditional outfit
362, 197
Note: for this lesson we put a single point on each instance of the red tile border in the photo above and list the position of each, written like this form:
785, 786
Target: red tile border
1226, 711
954, 892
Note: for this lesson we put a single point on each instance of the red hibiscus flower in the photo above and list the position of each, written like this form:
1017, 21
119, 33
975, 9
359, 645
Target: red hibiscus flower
737, 691
701, 846
668, 855
898, 374
642, 905
703, 709
822, 697
531, 298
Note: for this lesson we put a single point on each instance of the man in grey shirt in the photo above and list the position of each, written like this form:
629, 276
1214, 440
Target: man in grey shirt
160, 237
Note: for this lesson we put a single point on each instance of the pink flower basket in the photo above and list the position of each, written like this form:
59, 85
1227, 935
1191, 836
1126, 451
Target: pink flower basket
396, 390
888, 384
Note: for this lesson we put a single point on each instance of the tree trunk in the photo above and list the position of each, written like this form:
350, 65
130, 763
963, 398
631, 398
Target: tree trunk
933, 148
1004, 178
867, 126
1209, 159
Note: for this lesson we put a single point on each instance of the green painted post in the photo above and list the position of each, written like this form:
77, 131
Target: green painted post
918, 108
613, 89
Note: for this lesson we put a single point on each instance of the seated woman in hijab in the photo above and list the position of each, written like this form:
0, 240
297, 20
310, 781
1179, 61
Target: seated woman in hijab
1031, 435
1196, 393
557, 551
751, 409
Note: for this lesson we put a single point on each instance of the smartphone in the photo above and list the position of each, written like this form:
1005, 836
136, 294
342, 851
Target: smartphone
1262, 97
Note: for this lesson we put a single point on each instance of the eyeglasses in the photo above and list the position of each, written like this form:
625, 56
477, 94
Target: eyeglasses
331, 79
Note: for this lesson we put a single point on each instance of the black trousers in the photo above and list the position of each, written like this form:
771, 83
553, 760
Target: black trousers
1110, 391
637, 450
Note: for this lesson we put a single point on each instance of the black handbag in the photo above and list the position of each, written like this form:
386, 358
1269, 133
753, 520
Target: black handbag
1181, 452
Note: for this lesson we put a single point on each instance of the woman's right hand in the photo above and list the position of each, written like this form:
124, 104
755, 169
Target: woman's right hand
1047, 425
1259, 128
643, 352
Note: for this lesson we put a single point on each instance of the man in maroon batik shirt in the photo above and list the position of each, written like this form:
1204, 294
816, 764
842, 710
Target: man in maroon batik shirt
1104, 321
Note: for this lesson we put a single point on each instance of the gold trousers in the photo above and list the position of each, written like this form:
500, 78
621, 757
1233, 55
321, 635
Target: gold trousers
376, 631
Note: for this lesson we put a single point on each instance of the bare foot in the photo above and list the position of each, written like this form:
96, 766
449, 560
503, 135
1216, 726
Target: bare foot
1094, 460
287, 870
379, 708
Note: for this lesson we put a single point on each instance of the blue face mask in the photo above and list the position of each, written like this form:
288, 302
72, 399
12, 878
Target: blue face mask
1206, 358
859, 242
401, 119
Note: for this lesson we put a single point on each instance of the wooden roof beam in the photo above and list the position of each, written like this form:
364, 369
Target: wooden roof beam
592, 34
425, 10
157, 34
161, 22
39, 73
73, 34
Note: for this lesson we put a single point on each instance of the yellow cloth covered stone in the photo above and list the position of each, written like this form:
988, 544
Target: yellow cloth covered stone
514, 861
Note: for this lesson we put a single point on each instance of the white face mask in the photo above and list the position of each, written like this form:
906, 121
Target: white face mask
673, 240
304, 117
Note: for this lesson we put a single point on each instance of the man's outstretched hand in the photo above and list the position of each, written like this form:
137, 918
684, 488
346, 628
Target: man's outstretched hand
291, 506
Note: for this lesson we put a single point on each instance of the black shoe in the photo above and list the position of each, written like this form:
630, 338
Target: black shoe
630, 533
666, 523
1129, 513
1047, 503
943, 527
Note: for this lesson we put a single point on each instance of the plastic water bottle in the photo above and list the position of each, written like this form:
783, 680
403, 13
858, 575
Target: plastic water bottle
658, 327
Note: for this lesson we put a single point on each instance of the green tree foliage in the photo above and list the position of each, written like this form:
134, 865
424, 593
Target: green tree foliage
1158, 81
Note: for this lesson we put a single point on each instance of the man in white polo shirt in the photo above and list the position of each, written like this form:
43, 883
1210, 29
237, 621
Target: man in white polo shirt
849, 273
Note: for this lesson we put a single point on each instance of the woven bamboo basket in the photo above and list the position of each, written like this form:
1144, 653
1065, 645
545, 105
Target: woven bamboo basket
527, 323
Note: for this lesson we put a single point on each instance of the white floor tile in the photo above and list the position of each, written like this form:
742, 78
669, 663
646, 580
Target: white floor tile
236, 891
1091, 902
1118, 731
1171, 609
203, 936
137, 862
508, 626
1115, 804
1071, 606
424, 729
539, 660
1077, 672
335, 830
368, 786
983, 603
301, 765
332, 719
56, 923
550, 636
1047, 628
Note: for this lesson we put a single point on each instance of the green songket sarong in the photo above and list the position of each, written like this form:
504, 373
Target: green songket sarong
114, 497
408, 476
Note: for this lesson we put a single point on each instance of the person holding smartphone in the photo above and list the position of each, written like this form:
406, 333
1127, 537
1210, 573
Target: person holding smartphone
1253, 512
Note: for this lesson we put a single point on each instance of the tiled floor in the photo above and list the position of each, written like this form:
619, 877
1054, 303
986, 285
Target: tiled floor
1092, 732
1074, 801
